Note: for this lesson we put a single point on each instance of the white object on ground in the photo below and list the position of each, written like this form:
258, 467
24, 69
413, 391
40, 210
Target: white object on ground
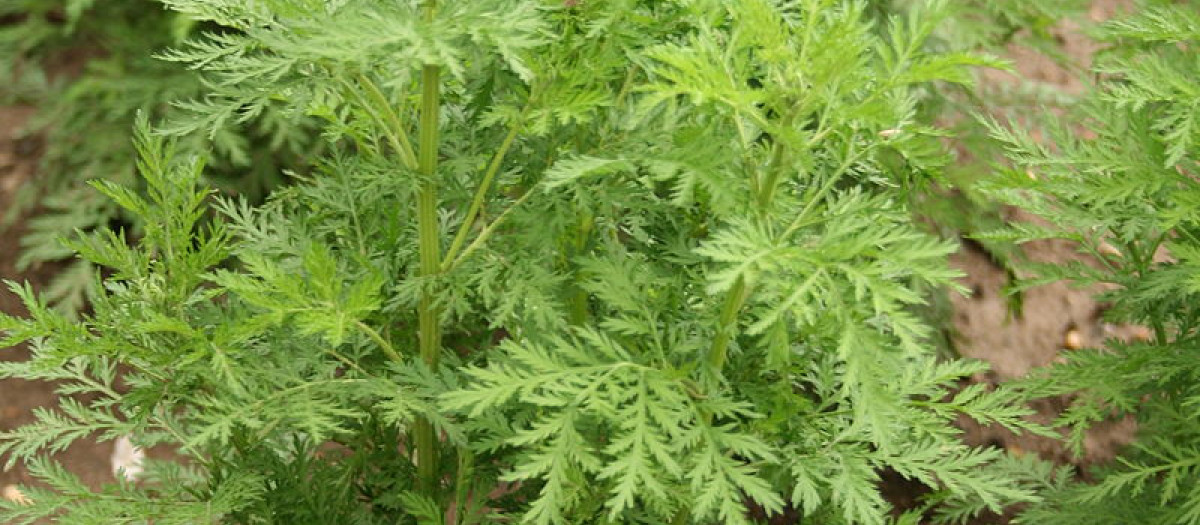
127, 459
13, 494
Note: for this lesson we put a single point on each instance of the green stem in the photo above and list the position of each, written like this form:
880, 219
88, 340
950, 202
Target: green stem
681, 517
398, 136
1160, 332
484, 185
579, 307
379, 340
461, 485
727, 324
165, 424
392, 130
820, 194
744, 142
579, 298
429, 238
449, 265
774, 168
767, 191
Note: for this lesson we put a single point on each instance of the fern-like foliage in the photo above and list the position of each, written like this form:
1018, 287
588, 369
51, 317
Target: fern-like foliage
673, 273
89, 69
202, 378
1127, 194
798, 307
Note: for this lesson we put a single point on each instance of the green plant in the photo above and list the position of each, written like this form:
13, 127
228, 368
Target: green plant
564, 262
957, 209
89, 67
1126, 192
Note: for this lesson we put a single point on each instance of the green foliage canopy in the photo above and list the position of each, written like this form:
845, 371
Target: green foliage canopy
674, 275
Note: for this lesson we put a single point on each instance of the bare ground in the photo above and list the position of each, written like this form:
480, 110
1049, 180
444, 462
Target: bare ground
1054, 318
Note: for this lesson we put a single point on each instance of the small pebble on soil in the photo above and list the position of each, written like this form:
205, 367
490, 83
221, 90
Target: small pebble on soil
1073, 340
12, 493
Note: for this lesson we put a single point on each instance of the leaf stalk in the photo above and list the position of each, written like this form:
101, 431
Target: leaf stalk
481, 193
726, 326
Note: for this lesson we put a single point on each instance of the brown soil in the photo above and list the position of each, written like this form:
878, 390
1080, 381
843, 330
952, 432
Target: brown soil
18, 398
1054, 318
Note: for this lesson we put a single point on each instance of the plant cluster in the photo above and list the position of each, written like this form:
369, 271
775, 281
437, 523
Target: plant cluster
89, 67
1125, 189
548, 261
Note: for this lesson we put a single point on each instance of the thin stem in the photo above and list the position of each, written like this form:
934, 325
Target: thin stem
726, 324
744, 140
183, 441
579, 298
767, 191
625, 86
774, 167
820, 195
461, 485
379, 340
449, 265
481, 193
1160, 332
399, 137
392, 128
354, 214
681, 517
346, 361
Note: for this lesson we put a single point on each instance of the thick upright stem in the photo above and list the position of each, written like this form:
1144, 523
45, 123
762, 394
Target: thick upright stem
429, 234
429, 238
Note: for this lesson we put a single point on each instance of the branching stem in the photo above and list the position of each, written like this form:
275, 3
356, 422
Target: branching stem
398, 135
449, 265
481, 193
